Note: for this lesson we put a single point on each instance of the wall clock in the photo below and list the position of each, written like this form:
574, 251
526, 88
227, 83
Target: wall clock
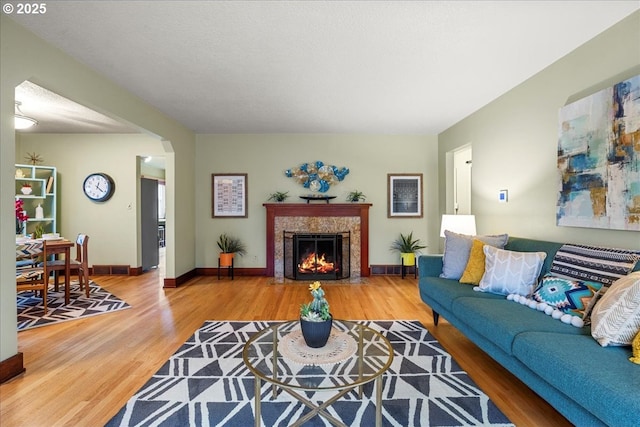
98, 187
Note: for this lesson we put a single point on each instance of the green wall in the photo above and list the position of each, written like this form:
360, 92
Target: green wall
23, 56
514, 141
113, 224
265, 158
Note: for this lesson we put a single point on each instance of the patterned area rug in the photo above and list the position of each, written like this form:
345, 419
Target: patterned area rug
205, 383
31, 310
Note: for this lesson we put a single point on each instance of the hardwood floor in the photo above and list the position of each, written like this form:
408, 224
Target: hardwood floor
80, 373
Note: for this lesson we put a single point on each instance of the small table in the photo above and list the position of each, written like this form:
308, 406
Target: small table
263, 356
56, 247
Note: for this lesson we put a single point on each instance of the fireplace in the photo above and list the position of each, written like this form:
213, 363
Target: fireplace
317, 256
318, 218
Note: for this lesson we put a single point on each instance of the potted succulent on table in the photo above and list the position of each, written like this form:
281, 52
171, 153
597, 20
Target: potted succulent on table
229, 246
407, 247
279, 196
315, 319
356, 196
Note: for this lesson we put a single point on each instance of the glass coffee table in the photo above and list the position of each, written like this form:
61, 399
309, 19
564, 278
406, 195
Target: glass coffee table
278, 355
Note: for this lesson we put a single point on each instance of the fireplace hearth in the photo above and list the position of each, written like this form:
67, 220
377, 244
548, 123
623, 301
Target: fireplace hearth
316, 256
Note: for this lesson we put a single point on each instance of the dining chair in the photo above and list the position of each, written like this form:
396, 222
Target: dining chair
79, 266
33, 277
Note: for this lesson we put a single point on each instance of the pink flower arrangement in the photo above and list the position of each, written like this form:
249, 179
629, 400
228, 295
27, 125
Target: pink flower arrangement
21, 215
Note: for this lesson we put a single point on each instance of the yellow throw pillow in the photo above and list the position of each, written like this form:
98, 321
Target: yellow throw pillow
475, 266
636, 349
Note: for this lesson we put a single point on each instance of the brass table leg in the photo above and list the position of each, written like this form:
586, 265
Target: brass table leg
257, 387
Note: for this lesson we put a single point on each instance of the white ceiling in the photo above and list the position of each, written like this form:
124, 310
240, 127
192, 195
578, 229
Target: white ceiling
409, 67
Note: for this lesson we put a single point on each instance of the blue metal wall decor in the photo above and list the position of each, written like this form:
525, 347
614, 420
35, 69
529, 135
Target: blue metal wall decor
317, 176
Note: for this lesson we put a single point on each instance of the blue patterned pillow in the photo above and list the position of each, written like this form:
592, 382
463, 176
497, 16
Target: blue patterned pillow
572, 297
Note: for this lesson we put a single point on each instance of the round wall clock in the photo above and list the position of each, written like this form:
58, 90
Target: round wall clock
98, 187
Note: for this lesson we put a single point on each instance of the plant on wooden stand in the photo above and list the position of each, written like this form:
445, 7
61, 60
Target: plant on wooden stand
229, 246
315, 318
407, 247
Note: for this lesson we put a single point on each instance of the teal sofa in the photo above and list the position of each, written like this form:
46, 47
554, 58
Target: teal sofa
590, 385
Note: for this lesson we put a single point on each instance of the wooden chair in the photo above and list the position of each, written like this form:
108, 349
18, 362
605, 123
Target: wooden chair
33, 277
79, 266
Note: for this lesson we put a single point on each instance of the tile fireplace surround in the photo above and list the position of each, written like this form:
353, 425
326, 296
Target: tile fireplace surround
318, 218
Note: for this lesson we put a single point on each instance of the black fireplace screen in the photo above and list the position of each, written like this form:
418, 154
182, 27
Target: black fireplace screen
317, 256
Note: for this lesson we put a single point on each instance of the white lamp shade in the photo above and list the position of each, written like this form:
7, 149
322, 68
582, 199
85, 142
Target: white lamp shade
461, 224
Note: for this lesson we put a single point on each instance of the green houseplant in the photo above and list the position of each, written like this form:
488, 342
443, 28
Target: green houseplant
279, 196
229, 246
315, 318
407, 246
356, 196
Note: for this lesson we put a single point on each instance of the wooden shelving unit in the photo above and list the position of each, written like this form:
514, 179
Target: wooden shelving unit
43, 182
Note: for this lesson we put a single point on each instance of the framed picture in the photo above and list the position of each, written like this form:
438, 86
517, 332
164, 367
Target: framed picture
404, 195
229, 195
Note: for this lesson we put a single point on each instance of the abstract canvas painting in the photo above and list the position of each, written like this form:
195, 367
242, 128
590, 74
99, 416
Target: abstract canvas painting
599, 159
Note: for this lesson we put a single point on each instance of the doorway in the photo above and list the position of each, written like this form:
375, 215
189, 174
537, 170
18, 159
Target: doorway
152, 213
459, 181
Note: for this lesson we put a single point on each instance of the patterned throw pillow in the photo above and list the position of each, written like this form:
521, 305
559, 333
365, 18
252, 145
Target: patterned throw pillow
475, 266
594, 264
616, 317
569, 296
457, 248
510, 272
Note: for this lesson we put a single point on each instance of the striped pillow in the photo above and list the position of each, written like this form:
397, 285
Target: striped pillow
593, 264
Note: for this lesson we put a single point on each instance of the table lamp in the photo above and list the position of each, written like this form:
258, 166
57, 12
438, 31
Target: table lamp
461, 224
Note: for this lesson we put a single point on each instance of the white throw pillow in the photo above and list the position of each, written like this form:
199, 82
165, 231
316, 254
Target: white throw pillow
510, 272
615, 320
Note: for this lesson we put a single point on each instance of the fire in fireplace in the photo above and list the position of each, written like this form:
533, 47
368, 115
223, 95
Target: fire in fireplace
316, 256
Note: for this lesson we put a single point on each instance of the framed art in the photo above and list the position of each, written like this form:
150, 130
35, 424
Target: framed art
404, 195
229, 195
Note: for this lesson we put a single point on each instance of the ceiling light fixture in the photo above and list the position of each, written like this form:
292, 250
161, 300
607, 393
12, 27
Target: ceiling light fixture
20, 120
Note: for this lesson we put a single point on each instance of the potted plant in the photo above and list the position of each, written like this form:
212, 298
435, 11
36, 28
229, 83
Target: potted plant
229, 246
26, 188
279, 196
315, 319
356, 196
407, 247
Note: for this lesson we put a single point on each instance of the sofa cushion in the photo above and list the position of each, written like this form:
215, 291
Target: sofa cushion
570, 296
499, 320
475, 266
595, 377
596, 264
522, 244
635, 345
446, 291
509, 272
616, 317
457, 248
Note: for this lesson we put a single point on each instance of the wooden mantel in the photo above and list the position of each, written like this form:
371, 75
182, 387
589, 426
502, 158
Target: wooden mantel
360, 210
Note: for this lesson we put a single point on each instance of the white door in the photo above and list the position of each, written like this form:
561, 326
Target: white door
462, 181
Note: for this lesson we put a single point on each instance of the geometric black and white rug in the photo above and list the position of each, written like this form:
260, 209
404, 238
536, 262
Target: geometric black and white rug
206, 383
31, 310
